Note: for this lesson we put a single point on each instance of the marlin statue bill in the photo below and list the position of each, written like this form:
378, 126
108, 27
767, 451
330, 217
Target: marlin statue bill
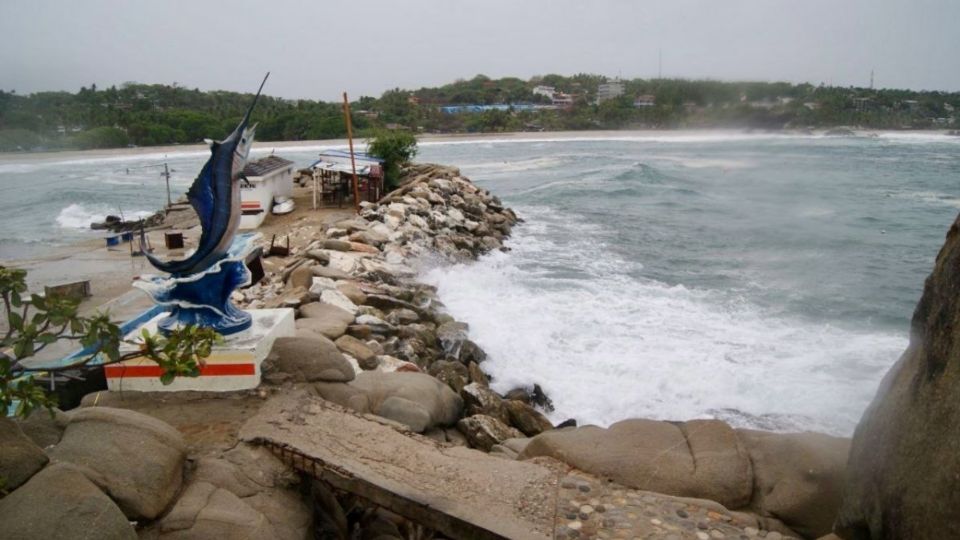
215, 196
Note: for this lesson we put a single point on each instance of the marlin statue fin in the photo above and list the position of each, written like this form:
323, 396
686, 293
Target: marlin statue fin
215, 196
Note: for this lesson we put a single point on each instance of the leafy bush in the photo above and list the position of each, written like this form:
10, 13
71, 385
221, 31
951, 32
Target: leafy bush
38, 321
395, 148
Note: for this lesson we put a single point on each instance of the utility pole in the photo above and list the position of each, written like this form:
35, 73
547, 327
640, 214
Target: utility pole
660, 63
353, 162
166, 175
871, 79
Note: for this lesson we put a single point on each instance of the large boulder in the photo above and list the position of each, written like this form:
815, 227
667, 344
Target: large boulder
245, 493
904, 463
701, 458
797, 477
484, 431
45, 427
327, 319
527, 419
61, 503
206, 511
308, 359
20, 458
136, 459
415, 399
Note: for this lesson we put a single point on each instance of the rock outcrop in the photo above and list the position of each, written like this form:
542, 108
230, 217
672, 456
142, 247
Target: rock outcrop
136, 459
20, 458
60, 503
904, 465
789, 481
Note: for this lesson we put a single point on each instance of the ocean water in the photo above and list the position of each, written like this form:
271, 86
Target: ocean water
765, 280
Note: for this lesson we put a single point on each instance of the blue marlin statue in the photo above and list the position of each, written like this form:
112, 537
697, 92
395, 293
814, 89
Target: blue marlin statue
199, 287
215, 196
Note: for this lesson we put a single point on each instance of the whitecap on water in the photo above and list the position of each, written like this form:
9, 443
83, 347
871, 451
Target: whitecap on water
607, 346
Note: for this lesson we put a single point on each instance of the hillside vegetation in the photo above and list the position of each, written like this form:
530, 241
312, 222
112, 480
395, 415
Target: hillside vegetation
143, 115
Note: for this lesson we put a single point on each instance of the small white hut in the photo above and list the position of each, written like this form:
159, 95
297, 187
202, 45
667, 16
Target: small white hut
265, 179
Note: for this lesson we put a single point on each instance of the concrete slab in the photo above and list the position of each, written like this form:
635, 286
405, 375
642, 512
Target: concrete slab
233, 365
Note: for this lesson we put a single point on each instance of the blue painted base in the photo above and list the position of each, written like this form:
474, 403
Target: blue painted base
203, 299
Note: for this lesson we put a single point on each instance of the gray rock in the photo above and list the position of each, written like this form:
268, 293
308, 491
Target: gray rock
331, 320
302, 276
454, 374
136, 459
20, 458
798, 478
904, 464
309, 360
60, 503
385, 302
371, 389
328, 272
702, 458
206, 511
477, 375
43, 428
318, 255
403, 316
451, 335
352, 292
527, 419
338, 299
336, 245
479, 399
359, 350
330, 328
408, 413
471, 352
484, 431
376, 324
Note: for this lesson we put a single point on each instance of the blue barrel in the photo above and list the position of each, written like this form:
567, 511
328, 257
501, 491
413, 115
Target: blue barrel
113, 241
127, 236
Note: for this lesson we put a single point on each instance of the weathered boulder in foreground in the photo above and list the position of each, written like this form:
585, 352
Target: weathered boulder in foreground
206, 511
700, 458
58, 503
415, 399
20, 458
484, 431
786, 479
136, 459
45, 427
902, 475
797, 477
308, 359
245, 493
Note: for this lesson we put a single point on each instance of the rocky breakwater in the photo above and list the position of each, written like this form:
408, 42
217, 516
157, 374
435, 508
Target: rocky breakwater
372, 338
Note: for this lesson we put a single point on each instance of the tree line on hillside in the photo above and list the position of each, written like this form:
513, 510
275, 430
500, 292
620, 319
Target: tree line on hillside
144, 115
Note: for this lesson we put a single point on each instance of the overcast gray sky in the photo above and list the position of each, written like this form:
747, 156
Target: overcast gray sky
318, 49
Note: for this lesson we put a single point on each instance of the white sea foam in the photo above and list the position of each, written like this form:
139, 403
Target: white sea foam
561, 311
78, 216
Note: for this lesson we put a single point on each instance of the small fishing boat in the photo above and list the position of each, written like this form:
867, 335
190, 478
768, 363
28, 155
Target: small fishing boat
282, 205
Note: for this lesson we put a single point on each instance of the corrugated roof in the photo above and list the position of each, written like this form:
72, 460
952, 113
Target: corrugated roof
264, 166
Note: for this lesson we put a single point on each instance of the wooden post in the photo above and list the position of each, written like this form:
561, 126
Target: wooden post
353, 162
166, 174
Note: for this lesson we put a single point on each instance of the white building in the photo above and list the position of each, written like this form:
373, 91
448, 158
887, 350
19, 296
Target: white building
265, 179
610, 90
545, 91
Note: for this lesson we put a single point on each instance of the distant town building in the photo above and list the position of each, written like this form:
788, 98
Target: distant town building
645, 100
545, 91
862, 104
610, 90
413, 100
562, 100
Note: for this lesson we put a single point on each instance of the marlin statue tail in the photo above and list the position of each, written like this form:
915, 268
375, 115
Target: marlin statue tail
215, 196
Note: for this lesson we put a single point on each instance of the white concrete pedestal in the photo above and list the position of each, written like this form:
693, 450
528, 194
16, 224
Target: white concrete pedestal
232, 365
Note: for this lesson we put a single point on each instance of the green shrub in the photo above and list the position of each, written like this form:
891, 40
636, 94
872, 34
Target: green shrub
395, 148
